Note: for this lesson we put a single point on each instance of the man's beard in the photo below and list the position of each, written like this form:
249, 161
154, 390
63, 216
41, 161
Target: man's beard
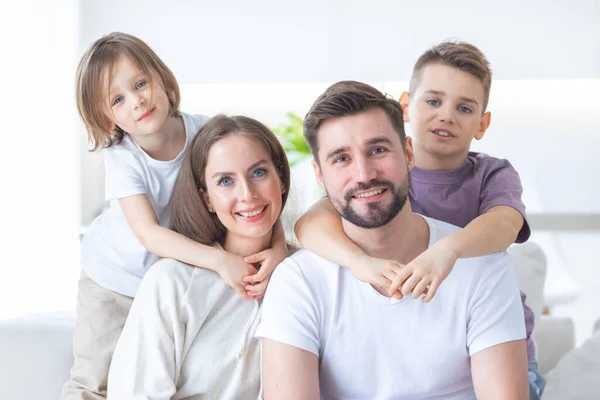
376, 215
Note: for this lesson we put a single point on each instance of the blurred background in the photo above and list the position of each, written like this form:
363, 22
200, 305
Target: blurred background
267, 58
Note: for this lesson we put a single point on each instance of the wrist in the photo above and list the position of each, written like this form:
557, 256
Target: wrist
451, 247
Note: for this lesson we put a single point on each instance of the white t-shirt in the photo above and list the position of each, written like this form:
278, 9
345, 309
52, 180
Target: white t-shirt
111, 254
374, 347
188, 335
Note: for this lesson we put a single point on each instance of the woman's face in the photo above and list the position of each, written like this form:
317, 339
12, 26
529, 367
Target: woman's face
243, 186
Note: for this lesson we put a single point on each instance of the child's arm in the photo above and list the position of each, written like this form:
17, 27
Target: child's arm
492, 231
256, 284
320, 230
166, 243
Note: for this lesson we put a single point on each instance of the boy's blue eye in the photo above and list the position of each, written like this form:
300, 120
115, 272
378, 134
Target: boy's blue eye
117, 100
225, 182
140, 84
465, 109
433, 102
260, 172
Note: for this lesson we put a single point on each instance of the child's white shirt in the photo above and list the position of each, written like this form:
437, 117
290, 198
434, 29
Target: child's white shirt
111, 254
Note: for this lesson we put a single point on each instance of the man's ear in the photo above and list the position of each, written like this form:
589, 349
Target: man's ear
486, 119
409, 152
205, 197
318, 173
404, 100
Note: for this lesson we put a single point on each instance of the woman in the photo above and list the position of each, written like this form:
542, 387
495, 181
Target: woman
189, 334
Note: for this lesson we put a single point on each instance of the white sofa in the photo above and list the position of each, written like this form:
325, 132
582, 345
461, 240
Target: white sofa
36, 354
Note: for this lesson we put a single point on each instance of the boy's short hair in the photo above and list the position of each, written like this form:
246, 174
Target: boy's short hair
349, 98
92, 95
460, 55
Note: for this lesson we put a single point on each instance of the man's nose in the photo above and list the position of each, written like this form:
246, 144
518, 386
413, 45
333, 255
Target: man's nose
364, 170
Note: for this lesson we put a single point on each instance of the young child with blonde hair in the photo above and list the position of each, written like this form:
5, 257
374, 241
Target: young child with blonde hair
128, 100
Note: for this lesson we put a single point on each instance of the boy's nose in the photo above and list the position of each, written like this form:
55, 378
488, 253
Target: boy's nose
446, 115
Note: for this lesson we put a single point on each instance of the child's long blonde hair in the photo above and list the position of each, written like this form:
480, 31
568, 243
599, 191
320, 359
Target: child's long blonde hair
97, 67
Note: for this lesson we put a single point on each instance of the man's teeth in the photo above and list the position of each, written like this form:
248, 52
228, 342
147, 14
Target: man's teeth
251, 213
369, 194
443, 133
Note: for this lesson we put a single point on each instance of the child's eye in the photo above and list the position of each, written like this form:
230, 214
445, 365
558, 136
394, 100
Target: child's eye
433, 102
140, 84
225, 182
260, 172
117, 100
465, 109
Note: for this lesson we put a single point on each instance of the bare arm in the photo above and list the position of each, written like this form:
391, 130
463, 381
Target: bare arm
492, 231
289, 372
320, 230
500, 372
166, 243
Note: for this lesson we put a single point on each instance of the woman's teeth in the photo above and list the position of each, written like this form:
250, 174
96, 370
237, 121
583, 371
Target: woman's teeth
252, 213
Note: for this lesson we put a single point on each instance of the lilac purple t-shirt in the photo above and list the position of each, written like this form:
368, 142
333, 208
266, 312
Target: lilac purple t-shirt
459, 196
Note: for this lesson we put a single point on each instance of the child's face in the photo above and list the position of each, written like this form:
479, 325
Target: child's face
136, 103
446, 112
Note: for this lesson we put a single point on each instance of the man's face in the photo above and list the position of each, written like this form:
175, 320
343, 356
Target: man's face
364, 168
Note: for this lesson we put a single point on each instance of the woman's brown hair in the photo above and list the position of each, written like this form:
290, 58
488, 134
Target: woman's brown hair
189, 215
99, 63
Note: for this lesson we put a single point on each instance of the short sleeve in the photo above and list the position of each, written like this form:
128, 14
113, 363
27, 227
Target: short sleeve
495, 309
123, 174
289, 313
502, 187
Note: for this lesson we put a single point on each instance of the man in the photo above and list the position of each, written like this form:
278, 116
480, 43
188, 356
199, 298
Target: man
326, 334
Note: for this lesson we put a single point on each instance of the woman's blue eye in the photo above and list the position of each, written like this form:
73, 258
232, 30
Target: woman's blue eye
224, 182
260, 172
140, 84
433, 102
465, 109
117, 100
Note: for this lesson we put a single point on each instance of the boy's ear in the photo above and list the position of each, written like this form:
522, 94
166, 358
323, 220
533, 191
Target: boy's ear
318, 173
404, 100
409, 152
486, 119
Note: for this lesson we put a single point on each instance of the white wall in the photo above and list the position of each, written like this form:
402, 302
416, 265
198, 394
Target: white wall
328, 40
39, 163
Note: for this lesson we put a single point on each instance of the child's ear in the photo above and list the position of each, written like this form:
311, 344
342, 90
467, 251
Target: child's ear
404, 100
409, 152
483, 125
318, 173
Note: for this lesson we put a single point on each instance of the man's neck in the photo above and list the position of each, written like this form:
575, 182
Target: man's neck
402, 239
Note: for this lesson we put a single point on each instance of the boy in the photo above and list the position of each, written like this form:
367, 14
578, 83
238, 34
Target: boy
446, 106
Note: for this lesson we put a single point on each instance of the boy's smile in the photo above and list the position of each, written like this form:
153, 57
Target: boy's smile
445, 114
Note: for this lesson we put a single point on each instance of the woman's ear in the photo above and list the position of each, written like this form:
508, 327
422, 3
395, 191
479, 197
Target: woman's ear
206, 199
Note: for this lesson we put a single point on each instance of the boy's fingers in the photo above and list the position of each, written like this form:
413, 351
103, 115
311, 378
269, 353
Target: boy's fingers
420, 288
399, 279
410, 284
431, 291
255, 258
241, 291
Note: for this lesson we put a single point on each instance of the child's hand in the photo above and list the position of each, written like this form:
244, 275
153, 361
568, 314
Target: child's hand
377, 272
268, 259
234, 270
424, 274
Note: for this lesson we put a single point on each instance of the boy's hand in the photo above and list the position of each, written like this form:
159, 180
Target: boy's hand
234, 270
268, 259
424, 274
377, 272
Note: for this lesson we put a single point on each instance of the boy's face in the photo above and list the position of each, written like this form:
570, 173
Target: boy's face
446, 112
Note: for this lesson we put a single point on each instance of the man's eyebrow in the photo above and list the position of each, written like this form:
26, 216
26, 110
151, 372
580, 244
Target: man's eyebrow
256, 164
336, 151
379, 140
